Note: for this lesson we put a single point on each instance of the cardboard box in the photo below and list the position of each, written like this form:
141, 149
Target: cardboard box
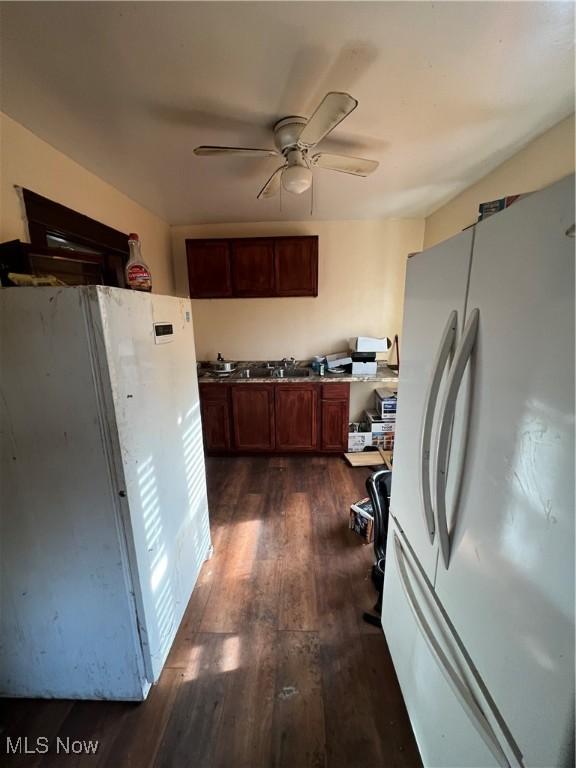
362, 519
357, 441
385, 402
489, 208
384, 441
380, 425
370, 344
365, 369
338, 359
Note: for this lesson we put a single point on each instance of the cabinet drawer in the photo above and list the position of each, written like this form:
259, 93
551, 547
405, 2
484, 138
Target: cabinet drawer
213, 391
340, 391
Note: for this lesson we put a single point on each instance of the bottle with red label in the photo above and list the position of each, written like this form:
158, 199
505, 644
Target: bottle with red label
138, 274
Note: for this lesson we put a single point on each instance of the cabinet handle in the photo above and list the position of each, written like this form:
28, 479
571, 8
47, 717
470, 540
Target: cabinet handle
446, 419
458, 686
444, 353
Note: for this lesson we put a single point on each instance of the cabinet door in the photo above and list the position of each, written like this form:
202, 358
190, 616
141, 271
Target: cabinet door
253, 417
296, 410
253, 267
334, 415
296, 266
209, 273
215, 412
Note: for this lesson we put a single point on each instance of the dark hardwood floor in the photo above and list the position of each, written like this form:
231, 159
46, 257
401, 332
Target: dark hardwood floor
273, 665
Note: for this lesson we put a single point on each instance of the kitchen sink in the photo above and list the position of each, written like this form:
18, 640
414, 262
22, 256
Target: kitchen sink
255, 372
263, 372
286, 373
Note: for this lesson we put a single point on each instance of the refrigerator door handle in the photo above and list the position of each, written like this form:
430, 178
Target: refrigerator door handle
460, 689
443, 355
446, 419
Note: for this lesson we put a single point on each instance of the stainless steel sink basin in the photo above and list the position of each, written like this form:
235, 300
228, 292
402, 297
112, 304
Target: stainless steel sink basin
291, 373
255, 372
267, 372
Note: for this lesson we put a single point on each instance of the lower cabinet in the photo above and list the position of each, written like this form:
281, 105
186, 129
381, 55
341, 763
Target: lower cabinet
296, 408
215, 413
253, 417
334, 415
334, 412
276, 417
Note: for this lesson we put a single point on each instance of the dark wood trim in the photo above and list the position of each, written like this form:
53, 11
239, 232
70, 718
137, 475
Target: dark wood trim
16, 256
45, 215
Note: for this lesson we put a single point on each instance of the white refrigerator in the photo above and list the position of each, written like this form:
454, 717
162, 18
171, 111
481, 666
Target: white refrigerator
103, 507
478, 606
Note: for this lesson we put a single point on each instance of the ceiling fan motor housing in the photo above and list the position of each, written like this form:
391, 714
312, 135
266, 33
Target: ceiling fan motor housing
287, 132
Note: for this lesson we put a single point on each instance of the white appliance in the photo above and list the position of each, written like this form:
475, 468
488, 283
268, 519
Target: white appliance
478, 605
104, 516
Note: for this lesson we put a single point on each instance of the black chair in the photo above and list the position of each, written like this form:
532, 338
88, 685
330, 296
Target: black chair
378, 486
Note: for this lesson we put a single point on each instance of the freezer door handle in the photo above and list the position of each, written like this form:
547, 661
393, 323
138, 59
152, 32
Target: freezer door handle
460, 689
446, 420
443, 355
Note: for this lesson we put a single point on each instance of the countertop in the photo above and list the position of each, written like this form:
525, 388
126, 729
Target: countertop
384, 375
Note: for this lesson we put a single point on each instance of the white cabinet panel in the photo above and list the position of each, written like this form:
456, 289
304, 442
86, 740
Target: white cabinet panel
509, 587
436, 284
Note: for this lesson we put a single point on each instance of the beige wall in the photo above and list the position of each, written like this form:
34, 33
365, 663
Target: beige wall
361, 285
27, 161
543, 161
362, 265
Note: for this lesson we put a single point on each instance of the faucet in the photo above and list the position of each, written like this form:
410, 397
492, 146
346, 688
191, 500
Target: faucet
288, 361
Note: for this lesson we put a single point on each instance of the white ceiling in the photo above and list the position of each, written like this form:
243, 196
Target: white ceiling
447, 91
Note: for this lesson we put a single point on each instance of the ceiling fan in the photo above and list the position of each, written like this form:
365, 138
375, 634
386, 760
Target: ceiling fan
295, 139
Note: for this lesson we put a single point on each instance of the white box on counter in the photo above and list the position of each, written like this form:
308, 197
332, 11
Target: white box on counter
338, 359
371, 344
364, 369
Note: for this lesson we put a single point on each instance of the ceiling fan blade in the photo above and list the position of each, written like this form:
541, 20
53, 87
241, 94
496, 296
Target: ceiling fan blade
357, 166
333, 108
208, 151
272, 186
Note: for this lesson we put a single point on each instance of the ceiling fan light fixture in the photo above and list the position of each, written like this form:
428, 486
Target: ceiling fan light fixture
296, 179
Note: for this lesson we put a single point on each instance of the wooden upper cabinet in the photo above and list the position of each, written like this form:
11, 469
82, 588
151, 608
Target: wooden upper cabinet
209, 271
296, 266
252, 267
